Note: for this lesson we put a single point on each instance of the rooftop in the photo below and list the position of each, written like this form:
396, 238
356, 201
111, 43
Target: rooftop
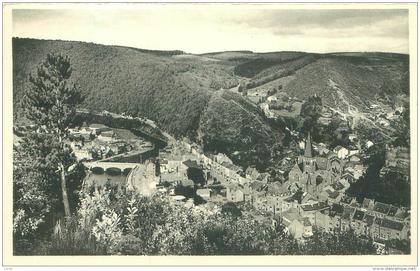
358, 215
381, 208
337, 209
192, 164
314, 206
390, 224
369, 219
348, 212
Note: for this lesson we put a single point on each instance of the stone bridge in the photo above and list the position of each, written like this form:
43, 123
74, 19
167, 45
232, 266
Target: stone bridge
99, 167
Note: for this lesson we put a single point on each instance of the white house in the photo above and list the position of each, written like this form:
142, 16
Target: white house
271, 98
341, 152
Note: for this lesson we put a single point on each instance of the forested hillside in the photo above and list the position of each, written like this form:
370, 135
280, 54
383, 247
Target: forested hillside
173, 91
186, 94
172, 88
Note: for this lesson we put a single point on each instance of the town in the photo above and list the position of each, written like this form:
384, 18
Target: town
311, 195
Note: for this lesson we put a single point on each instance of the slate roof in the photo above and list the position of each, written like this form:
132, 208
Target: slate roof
257, 185
381, 208
369, 219
333, 194
297, 167
348, 212
276, 189
314, 206
192, 164
337, 209
347, 199
337, 186
358, 215
321, 163
392, 210
401, 214
231, 166
390, 224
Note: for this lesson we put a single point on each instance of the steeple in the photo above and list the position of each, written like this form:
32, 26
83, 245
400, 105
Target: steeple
308, 146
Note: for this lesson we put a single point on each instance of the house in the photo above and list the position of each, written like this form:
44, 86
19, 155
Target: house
353, 137
234, 193
369, 220
300, 228
369, 144
349, 177
341, 152
263, 204
381, 209
99, 128
354, 158
346, 218
386, 229
252, 173
204, 193
358, 224
82, 154
335, 215
107, 136
186, 183
310, 210
272, 98
323, 220
296, 225
322, 149
118, 147
368, 204
353, 152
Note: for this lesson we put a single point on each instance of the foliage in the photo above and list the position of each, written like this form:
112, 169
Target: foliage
68, 238
280, 70
402, 245
170, 90
107, 230
338, 243
252, 67
310, 113
131, 216
50, 104
31, 200
155, 226
231, 208
232, 124
391, 188
402, 127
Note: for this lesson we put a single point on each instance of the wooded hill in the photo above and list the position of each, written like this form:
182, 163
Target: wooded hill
186, 94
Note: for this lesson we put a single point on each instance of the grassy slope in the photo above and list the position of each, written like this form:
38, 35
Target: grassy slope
359, 80
360, 76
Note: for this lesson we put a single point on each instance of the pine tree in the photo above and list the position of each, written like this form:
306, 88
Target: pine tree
50, 104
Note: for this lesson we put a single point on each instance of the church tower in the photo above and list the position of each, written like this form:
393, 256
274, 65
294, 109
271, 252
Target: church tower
309, 163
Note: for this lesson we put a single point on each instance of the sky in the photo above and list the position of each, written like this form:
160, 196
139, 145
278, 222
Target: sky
201, 28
